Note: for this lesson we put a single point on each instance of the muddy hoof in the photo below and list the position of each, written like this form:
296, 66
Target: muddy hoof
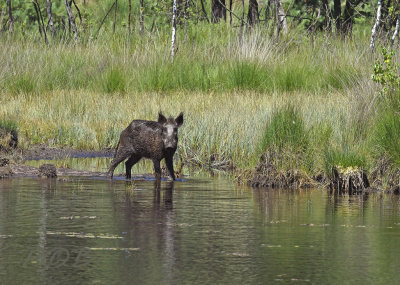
47, 170
5, 172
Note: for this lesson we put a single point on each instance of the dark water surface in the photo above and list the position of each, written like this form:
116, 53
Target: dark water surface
202, 231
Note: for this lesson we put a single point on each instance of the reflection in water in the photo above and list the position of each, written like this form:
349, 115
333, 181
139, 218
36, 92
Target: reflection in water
200, 231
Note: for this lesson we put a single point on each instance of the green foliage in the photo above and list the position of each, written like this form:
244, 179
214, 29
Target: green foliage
385, 73
285, 131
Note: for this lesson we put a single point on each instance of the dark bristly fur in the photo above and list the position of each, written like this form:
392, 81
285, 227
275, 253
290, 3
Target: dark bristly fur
148, 139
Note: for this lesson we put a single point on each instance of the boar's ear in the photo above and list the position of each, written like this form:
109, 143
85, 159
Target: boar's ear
161, 118
179, 120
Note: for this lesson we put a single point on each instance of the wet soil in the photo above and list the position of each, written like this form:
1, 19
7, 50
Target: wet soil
38, 152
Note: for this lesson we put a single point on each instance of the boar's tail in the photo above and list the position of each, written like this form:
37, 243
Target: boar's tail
116, 149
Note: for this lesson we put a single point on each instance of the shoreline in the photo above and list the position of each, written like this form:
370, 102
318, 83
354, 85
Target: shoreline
263, 176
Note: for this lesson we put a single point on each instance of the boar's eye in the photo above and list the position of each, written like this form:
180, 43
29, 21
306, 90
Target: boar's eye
175, 130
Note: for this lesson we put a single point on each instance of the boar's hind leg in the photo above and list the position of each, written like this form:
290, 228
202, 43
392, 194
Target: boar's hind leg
119, 157
170, 166
129, 163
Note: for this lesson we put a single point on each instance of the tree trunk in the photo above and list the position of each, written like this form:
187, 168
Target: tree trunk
10, 17
204, 11
141, 18
50, 16
218, 10
115, 15
185, 16
337, 11
241, 25
396, 29
173, 37
376, 25
268, 10
129, 15
347, 25
71, 19
252, 14
326, 14
282, 24
42, 28
230, 12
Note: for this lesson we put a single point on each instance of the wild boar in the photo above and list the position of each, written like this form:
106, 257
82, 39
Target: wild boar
148, 139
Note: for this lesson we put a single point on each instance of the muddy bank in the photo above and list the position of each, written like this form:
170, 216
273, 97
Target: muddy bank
13, 170
340, 180
38, 152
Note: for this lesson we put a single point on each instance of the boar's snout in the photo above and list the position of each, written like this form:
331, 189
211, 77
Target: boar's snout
170, 137
170, 131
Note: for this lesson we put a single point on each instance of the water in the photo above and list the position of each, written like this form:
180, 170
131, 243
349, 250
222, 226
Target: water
202, 231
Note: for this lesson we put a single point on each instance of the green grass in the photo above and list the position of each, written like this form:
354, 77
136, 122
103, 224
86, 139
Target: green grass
386, 135
285, 130
343, 158
8, 125
218, 64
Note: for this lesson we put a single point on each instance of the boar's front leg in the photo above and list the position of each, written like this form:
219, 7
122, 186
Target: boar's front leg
129, 163
170, 166
157, 169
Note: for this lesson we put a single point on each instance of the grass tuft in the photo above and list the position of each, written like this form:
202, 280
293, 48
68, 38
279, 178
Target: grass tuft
285, 130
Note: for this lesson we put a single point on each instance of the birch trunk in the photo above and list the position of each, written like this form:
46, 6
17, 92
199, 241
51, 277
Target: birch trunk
50, 16
71, 19
396, 30
376, 25
281, 16
173, 37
